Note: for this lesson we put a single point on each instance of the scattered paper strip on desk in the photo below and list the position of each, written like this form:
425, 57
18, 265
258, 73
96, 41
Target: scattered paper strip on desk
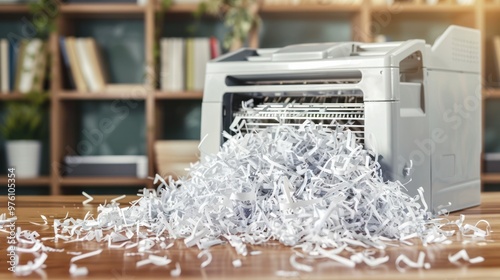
309, 187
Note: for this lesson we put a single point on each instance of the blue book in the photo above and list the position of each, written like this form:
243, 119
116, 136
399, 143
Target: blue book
68, 75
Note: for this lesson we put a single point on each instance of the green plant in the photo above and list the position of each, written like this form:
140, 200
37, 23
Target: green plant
240, 16
24, 119
44, 13
160, 15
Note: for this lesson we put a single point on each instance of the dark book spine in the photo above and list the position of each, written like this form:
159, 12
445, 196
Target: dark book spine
68, 74
12, 64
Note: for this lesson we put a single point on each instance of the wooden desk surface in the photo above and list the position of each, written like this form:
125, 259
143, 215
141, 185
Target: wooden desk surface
114, 264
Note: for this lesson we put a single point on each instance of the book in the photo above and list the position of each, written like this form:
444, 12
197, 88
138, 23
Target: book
180, 71
19, 63
81, 86
214, 47
28, 65
68, 75
189, 64
165, 63
86, 67
13, 57
1, 60
97, 62
201, 57
173, 64
4, 66
496, 46
183, 62
197, 60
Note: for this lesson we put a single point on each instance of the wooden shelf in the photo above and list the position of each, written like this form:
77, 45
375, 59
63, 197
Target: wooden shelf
12, 96
490, 178
491, 8
416, 8
180, 8
75, 95
13, 8
492, 93
310, 8
179, 95
43, 180
102, 9
103, 181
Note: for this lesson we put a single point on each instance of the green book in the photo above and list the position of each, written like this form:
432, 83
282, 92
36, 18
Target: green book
189, 64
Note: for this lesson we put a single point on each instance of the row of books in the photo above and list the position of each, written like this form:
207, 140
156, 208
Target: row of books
84, 65
22, 65
183, 62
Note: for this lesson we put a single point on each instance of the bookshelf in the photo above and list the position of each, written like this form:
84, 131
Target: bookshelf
363, 20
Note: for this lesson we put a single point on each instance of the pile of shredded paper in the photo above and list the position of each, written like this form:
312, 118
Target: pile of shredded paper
306, 186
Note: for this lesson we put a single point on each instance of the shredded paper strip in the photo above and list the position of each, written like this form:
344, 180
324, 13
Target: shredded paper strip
306, 186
